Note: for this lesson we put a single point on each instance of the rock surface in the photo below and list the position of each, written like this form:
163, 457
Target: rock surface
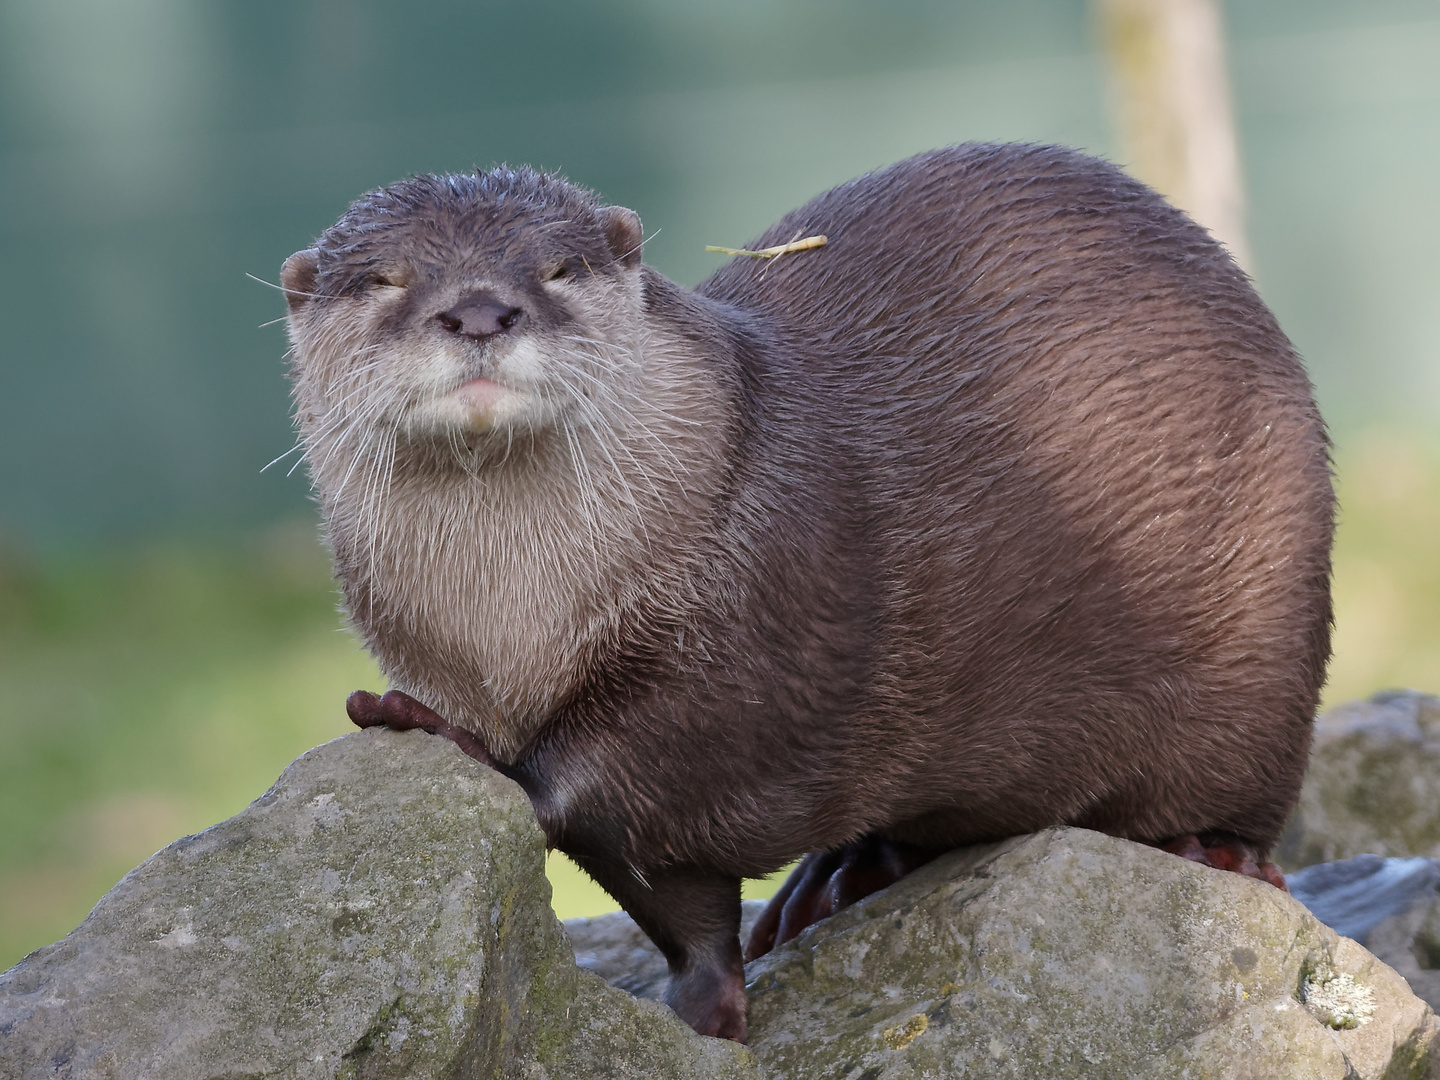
1388, 905
1065, 954
1363, 847
617, 950
1069, 953
1373, 785
382, 911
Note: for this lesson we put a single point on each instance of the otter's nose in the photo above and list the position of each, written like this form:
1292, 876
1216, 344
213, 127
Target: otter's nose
480, 315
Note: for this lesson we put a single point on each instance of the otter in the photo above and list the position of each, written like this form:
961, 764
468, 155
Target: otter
1008, 508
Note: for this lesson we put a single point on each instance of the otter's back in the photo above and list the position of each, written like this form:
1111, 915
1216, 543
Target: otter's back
1095, 455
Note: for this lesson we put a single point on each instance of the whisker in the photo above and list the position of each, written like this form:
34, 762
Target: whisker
274, 461
640, 245
290, 292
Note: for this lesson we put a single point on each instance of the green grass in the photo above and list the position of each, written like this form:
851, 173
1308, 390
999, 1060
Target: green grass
150, 694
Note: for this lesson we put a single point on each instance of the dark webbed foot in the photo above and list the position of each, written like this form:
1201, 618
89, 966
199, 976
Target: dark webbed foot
401, 712
1224, 852
825, 882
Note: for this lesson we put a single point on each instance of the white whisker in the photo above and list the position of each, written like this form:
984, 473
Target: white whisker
275, 461
290, 292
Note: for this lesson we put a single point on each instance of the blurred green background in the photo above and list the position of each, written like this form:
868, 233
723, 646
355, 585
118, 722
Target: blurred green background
168, 638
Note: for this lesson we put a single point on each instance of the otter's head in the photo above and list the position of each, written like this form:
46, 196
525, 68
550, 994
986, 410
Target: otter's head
449, 308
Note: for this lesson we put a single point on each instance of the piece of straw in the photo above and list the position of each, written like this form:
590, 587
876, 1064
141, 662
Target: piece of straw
771, 252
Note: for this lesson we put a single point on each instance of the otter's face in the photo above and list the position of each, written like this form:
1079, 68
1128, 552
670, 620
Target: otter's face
464, 307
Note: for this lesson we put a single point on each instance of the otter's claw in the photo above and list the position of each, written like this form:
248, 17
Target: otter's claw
401, 712
1224, 852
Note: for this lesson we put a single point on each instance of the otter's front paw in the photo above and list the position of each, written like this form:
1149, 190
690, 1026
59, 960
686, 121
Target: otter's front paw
401, 712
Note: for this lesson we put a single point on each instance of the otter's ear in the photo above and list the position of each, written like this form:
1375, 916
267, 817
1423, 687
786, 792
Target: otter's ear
622, 233
297, 277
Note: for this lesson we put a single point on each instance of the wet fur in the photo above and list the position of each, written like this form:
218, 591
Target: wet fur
1008, 508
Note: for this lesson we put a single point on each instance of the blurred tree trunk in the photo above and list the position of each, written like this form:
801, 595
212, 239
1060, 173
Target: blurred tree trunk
1172, 102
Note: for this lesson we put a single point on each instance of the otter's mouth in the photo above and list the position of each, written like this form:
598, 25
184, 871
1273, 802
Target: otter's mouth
482, 395
477, 394
482, 404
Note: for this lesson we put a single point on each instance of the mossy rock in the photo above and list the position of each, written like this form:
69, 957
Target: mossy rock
1069, 954
382, 911
1065, 954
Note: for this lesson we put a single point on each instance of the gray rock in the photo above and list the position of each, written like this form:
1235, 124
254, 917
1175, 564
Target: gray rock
382, 911
614, 948
1069, 953
1373, 785
1371, 803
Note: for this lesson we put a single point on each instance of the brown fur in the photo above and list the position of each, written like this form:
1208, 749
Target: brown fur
1009, 507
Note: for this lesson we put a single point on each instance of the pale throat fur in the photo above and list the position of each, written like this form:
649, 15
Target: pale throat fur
487, 552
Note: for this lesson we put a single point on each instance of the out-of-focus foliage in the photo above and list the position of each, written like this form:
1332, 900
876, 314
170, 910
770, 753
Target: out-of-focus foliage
148, 695
1387, 564
154, 152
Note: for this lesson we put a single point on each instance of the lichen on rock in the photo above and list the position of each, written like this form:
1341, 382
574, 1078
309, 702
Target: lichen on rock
1336, 999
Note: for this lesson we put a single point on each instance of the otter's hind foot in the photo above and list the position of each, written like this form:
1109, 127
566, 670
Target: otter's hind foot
1224, 852
824, 882
401, 712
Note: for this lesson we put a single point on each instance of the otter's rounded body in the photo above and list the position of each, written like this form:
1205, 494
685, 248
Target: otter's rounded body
1009, 507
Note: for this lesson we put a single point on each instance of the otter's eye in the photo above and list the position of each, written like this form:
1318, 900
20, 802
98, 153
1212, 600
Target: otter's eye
387, 281
559, 272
